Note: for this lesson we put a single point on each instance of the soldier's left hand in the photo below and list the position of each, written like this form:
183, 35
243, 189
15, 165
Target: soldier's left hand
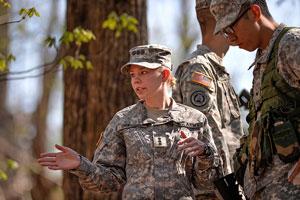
191, 146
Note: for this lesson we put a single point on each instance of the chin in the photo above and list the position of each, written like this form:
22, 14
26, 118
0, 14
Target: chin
250, 49
140, 97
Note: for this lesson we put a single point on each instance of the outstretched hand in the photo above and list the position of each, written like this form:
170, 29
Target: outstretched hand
66, 159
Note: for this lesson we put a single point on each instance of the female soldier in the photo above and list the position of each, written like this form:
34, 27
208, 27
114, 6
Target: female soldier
154, 149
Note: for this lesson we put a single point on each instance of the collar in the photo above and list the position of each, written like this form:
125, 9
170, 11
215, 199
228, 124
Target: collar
171, 115
204, 50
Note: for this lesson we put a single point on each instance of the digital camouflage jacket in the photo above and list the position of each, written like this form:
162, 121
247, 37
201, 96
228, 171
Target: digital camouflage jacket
204, 84
140, 156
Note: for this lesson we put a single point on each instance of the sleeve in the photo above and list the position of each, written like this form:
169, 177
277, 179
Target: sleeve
106, 173
208, 166
288, 62
195, 86
176, 93
200, 92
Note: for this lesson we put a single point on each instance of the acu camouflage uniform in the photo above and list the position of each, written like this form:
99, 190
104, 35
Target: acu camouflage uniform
140, 155
271, 182
275, 96
204, 84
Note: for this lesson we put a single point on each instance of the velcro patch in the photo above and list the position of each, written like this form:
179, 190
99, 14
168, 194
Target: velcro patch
199, 99
201, 79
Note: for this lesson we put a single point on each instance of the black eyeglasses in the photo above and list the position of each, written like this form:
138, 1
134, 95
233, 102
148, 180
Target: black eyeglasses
229, 31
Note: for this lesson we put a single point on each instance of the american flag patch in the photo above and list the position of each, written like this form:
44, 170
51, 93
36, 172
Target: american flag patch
202, 79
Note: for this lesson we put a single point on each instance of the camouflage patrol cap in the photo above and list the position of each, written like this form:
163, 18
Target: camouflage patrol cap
202, 4
226, 12
151, 56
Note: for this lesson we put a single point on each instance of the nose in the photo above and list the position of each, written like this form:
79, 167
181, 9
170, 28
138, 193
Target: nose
136, 79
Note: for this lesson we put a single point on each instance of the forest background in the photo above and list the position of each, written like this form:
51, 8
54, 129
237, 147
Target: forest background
64, 87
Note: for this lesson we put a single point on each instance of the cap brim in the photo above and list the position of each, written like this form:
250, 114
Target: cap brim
124, 68
224, 22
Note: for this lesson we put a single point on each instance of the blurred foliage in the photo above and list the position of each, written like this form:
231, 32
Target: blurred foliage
50, 41
5, 4
5, 60
76, 63
29, 12
3, 175
77, 37
12, 164
24, 13
7, 166
120, 23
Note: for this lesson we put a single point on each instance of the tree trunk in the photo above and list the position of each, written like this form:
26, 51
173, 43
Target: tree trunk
5, 116
42, 187
92, 97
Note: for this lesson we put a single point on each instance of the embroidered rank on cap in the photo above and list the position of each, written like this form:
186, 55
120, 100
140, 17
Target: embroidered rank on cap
201, 79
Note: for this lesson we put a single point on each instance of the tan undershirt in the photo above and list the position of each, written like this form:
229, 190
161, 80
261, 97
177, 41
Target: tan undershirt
155, 114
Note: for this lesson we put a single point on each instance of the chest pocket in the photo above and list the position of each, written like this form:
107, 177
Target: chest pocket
138, 142
228, 99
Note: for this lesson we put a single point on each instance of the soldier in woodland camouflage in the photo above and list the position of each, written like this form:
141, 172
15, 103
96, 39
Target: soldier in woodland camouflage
204, 84
272, 148
155, 149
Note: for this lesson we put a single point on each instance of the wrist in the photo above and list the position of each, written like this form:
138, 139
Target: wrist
79, 159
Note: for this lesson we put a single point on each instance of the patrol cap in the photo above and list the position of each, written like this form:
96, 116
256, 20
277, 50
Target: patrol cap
226, 12
202, 4
151, 56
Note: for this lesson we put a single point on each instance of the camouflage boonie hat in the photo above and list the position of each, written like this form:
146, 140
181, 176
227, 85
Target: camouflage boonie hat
202, 4
150, 56
225, 12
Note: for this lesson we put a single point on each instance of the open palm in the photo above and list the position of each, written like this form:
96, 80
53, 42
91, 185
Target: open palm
64, 160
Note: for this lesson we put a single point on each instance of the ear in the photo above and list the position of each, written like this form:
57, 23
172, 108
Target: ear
256, 11
165, 74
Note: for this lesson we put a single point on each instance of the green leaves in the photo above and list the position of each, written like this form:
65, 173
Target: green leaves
23, 13
111, 21
5, 4
3, 175
12, 164
50, 41
76, 63
6, 167
29, 12
73, 38
4, 61
120, 23
78, 36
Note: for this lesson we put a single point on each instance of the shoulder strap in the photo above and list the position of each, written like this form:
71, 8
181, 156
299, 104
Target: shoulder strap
275, 56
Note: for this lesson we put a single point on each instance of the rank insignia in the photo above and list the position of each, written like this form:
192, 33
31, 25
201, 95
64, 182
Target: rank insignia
160, 141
